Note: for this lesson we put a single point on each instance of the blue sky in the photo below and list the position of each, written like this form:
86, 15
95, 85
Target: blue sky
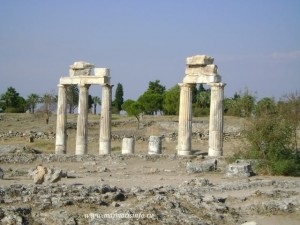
255, 43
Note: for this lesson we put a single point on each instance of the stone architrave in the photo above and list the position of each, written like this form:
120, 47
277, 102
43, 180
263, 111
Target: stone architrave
61, 135
185, 120
105, 121
82, 120
216, 119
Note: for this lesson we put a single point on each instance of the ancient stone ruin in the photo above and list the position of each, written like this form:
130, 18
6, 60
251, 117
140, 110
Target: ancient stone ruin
81, 74
199, 69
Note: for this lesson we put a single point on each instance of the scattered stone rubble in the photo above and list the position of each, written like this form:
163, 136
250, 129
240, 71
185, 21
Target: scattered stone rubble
195, 201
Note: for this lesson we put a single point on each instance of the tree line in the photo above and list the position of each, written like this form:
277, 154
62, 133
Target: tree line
272, 133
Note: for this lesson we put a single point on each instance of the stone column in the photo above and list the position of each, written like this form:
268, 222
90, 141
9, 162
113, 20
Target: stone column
82, 120
61, 135
105, 121
154, 146
185, 120
216, 119
128, 145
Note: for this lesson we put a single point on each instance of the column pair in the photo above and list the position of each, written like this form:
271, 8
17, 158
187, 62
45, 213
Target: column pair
215, 124
82, 121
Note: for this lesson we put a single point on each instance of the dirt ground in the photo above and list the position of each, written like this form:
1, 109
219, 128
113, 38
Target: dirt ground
131, 171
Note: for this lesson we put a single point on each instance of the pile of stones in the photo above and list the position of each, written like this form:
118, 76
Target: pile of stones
195, 201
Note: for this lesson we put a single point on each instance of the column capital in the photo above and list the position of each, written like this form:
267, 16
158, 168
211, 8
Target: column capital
84, 85
61, 85
217, 84
190, 85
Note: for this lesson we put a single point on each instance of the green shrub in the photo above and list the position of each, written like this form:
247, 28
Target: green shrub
271, 141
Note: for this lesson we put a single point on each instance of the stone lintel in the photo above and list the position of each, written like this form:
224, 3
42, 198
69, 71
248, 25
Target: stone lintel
85, 80
201, 79
209, 70
199, 60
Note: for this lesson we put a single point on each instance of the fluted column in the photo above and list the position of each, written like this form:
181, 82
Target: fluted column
216, 119
61, 135
185, 120
82, 120
105, 121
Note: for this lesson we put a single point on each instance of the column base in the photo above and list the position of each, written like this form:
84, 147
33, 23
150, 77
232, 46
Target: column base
60, 149
184, 153
104, 147
215, 152
81, 150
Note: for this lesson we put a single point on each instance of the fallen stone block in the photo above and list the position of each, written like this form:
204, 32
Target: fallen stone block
43, 174
198, 167
243, 169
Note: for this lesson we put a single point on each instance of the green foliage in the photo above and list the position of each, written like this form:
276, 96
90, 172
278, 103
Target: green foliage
117, 103
171, 101
152, 99
242, 104
156, 87
72, 93
96, 100
133, 108
272, 136
10, 101
32, 101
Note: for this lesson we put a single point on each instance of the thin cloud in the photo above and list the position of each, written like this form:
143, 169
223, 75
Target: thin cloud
286, 55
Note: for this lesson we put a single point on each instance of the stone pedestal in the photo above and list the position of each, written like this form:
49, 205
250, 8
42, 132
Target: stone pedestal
82, 121
128, 146
185, 120
216, 120
61, 136
154, 146
105, 121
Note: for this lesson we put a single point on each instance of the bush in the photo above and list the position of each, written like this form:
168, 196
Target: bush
271, 141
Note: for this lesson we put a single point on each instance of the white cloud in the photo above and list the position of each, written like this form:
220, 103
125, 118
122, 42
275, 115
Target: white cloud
286, 55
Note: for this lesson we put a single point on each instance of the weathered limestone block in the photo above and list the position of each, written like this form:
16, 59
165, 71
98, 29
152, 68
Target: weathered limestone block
200, 69
43, 174
80, 68
128, 145
38, 174
208, 70
239, 169
198, 167
154, 146
101, 72
199, 60
54, 175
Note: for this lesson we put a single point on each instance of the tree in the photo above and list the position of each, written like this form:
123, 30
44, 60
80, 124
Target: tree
11, 101
48, 101
72, 93
171, 101
90, 103
96, 101
152, 99
118, 102
133, 108
32, 101
265, 106
156, 87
